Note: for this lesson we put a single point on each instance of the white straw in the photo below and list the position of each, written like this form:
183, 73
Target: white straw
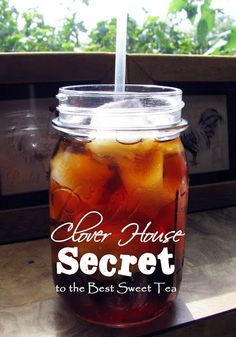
121, 36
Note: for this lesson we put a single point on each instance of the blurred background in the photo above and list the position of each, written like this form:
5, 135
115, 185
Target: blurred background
173, 26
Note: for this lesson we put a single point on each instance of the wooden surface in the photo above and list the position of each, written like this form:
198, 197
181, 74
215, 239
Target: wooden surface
213, 195
29, 306
141, 68
56, 67
180, 68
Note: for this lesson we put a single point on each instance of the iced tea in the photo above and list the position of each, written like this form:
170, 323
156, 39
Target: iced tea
118, 212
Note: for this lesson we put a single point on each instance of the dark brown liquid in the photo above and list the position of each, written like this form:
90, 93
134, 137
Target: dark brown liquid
139, 183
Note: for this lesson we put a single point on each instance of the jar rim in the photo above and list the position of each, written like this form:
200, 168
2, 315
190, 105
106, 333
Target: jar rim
140, 107
140, 90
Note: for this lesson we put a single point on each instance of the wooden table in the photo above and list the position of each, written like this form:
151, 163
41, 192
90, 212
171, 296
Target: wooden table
206, 305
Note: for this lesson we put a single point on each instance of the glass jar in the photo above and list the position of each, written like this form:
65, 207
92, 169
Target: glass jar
118, 197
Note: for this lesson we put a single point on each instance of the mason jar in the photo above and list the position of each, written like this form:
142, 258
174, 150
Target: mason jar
118, 197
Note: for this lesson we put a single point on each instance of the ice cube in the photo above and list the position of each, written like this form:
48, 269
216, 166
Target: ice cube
122, 104
111, 151
171, 147
144, 172
80, 173
64, 204
175, 170
118, 115
143, 179
141, 170
127, 138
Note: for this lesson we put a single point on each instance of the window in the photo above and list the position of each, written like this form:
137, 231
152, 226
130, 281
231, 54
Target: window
166, 27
